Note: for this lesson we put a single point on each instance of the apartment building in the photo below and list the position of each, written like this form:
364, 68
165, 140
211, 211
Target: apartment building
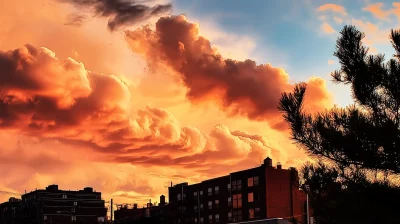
55, 206
262, 192
9, 211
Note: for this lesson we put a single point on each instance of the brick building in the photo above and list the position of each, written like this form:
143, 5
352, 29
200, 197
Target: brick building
9, 211
52, 205
258, 193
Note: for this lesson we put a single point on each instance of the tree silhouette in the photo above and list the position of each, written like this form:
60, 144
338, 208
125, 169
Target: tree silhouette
357, 148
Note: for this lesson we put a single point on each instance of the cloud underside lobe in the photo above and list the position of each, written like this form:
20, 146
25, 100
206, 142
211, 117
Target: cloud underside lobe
122, 12
239, 87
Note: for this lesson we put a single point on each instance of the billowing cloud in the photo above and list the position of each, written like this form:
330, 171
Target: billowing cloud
59, 99
239, 87
333, 7
122, 12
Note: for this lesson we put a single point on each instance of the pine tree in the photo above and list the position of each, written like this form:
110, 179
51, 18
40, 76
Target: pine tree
357, 148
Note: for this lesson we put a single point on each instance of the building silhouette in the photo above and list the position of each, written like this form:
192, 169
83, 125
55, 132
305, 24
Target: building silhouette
263, 192
55, 206
9, 211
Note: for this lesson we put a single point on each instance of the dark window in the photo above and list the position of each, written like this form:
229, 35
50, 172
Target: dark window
257, 212
229, 202
210, 219
201, 220
216, 202
256, 181
216, 189
237, 216
216, 217
237, 200
229, 187
210, 205
237, 185
210, 191
229, 216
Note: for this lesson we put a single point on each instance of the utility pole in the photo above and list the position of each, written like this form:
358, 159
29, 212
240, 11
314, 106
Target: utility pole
111, 211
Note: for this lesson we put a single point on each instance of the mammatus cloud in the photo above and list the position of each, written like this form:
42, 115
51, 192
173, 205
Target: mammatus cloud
44, 96
333, 7
122, 12
239, 87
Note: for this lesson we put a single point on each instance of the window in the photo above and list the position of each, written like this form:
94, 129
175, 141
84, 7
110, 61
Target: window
256, 181
229, 187
209, 191
257, 212
229, 201
201, 220
195, 194
64, 196
250, 182
201, 193
210, 205
216, 189
183, 196
178, 197
75, 203
216, 202
229, 216
195, 208
237, 200
251, 213
72, 209
237, 216
201, 207
210, 219
73, 218
216, 217
236, 185
250, 197
195, 220
45, 217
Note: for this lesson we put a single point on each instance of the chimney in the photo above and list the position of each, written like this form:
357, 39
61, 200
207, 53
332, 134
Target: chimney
135, 206
279, 166
268, 162
162, 200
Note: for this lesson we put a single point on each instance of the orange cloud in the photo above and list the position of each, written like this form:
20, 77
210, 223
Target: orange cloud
239, 87
333, 7
59, 99
331, 62
327, 28
377, 11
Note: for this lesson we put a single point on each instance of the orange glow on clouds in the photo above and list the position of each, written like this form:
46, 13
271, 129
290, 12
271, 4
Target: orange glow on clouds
137, 126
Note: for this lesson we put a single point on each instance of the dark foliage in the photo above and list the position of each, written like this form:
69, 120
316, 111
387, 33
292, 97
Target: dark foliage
358, 147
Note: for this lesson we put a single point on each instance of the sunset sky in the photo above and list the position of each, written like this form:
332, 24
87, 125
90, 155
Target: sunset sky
89, 96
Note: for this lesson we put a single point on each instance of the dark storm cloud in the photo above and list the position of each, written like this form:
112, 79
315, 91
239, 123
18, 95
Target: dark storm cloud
122, 12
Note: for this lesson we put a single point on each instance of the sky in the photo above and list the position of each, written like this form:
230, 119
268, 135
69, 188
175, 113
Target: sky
128, 101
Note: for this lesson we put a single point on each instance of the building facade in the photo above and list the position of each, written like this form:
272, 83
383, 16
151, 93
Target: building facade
9, 211
259, 193
55, 206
